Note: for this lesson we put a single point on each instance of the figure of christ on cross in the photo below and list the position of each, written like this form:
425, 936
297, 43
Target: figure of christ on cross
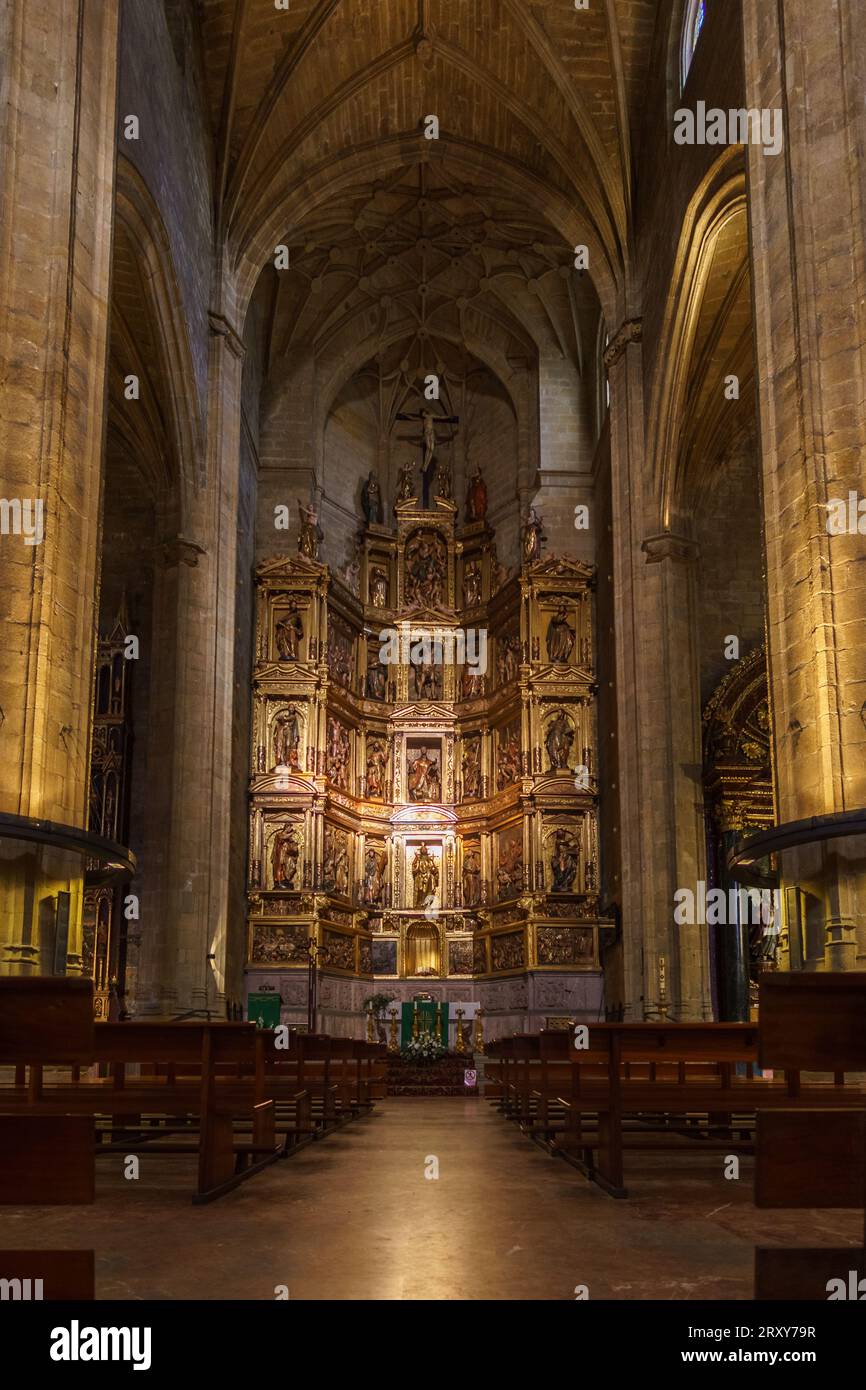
427, 441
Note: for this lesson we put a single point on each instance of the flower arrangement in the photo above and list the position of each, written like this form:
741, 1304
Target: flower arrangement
424, 1048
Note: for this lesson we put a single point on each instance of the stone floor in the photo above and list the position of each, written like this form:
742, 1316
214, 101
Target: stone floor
354, 1217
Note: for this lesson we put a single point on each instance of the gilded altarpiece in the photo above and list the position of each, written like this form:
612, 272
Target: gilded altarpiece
423, 796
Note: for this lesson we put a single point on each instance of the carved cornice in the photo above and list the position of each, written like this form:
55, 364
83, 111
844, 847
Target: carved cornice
630, 331
667, 546
221, 328
178, 551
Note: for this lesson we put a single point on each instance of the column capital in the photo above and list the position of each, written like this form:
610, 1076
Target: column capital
629, 331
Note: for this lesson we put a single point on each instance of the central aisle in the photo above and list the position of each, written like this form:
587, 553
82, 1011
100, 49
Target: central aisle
354, 1217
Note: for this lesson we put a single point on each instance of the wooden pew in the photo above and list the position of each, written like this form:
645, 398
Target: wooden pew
48, 1275
805, 1157
45, 1157
206, 1077
220, 1090
342, 1076
644, 1086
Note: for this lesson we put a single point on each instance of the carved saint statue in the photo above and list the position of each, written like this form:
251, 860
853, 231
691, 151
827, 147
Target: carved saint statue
289, 633
287, 738
284, 857
507, 658
379, 588
471, 878
476, 497
564, 861
558, 741
424, 780
341, 873
471, 769
405, 491
374, 875
531, 538
472, 684
311, 534
444, 485
507, 759
376, 678
472, 583
561, 637
377, 757
425, 681
371, 499
338, 754
352, 573
425, 877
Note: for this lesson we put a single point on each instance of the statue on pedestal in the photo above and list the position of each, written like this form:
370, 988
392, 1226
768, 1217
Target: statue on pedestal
371, 500
531, 538
560, 737
444, 486
289, 633
374, 875
471, 878
311, 534
472, 583
425, 876
287, 738
377, 758
405, 491
561, 637
564, 861
284, 857
379, 588
476, 497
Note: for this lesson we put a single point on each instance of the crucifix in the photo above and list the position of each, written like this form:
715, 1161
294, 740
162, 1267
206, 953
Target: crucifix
427, 441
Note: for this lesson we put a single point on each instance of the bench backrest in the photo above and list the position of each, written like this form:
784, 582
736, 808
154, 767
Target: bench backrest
813, 1022
44, 1019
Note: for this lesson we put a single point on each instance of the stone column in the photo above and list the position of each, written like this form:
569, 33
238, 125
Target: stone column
185, 922
658, 718
808, 64
57, 132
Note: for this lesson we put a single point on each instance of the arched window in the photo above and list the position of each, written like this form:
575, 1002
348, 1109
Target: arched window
696, 13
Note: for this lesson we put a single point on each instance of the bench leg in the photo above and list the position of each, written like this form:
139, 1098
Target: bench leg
609, 1174
216, 1153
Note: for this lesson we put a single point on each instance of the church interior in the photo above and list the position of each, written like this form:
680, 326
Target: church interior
432, 687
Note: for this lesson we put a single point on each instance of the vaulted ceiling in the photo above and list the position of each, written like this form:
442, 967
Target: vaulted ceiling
324, 100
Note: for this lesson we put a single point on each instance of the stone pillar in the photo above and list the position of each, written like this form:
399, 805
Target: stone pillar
185, 924
57, 132
808, 64
658, 719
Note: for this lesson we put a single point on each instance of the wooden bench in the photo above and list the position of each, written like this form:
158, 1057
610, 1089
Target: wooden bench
342, 1076
805, 1157
206, 1077
42, 1021
645, 1086
223, 1091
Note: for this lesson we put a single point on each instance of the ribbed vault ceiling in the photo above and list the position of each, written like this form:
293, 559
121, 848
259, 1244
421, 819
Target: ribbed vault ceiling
548, 91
